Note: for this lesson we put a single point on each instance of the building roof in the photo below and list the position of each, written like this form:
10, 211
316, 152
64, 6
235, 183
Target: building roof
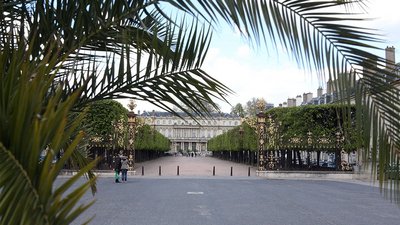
182, 114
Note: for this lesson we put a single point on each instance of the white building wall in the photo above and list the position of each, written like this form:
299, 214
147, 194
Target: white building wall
184, 133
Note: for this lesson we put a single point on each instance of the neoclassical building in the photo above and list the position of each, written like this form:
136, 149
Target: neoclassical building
185, 133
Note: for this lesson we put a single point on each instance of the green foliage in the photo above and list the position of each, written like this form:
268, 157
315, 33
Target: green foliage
238, 110
151, 140
102, 115
144, 54
320, 120
108, 119
251, 108
31, 122
234, 140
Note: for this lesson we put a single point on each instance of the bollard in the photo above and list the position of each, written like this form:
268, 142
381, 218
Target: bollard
177, 170
231, 170
248, 173
213, 170
142, 170
159, 171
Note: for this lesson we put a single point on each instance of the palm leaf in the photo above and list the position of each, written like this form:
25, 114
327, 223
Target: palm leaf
322, 40
139, 43
41, 121
94, 37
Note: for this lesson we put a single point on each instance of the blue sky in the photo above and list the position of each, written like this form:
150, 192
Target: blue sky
255, 72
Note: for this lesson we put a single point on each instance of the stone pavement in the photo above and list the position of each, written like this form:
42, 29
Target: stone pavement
198, 198
235, 201
192, 166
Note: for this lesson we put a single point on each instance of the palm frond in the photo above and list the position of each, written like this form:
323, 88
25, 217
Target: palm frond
32, 123
164, 68
143, 42
143, 48
328, 41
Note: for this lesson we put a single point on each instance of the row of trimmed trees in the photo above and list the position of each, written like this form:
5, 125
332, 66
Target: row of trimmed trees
149, 144
106, 125
238, 144
294, 135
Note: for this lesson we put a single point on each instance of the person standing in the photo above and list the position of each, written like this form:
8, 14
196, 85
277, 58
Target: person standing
124, 168
117, 168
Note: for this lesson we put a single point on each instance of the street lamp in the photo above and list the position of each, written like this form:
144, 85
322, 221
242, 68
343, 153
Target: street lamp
261, 140
131, 132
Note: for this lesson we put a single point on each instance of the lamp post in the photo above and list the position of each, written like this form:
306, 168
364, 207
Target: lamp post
273, 142
131, 131
261, 141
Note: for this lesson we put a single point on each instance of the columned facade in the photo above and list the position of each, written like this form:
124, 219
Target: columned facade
186, 134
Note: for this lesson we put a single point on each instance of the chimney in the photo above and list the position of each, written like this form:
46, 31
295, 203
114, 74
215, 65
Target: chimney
291, 102
298, 100
309, 96
319, 92
329, 87
390, 58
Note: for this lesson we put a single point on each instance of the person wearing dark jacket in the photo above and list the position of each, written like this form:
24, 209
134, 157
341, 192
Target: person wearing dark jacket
117, 168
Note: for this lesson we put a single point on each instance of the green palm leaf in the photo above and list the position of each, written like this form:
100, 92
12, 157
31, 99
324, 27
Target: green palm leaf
30, 124
133, 49
110, 48
322, 39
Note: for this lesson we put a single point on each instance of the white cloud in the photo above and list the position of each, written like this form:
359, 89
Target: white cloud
386, 11
274, 83
387, 19
243, 51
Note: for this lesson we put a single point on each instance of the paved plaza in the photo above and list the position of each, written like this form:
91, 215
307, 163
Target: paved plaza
238, 200
193, 166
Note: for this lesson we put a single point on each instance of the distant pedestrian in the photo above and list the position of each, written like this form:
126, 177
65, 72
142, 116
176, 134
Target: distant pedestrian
124, 168
117, 168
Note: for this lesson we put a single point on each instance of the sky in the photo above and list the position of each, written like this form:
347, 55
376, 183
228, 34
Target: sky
255, 72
